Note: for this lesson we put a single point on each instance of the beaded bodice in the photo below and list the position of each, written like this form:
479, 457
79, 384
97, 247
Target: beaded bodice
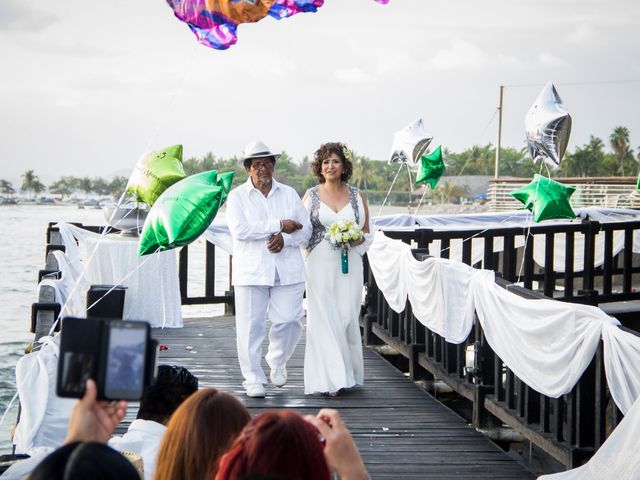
318, 229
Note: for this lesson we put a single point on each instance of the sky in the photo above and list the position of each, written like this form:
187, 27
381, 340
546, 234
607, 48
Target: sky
86, 88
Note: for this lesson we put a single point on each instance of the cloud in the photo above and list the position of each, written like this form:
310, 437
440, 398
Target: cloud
550, 60
581, 34
352, 75
512, 62
392, 61
15, 16
461, 55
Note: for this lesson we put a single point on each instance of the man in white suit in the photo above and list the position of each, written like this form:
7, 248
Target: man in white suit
268, 224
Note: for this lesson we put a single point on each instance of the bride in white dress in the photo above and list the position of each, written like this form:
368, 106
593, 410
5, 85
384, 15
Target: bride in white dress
333, 354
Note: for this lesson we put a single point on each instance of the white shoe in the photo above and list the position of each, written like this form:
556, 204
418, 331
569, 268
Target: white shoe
254, 390
279, 376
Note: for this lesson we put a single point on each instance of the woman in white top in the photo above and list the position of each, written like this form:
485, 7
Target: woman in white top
333, 355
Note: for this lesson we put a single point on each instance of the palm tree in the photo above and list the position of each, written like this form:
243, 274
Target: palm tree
86, 185
39, 187
360, 174
29, 181
6, 187
586, 161
619, 140
63, 187
449, 191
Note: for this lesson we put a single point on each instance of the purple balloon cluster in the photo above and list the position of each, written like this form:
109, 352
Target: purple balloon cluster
215, 22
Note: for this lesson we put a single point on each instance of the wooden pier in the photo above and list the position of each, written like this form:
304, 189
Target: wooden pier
402, 431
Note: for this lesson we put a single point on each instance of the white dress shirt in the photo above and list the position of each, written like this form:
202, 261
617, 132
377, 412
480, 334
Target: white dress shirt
252, 219
143, 438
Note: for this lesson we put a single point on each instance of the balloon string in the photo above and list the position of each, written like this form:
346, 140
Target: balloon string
124, 279
164, 302
421, 198
480, 232
86, 264
493, 116
530, 223
390, 188
410, 186
11, 402
178, 90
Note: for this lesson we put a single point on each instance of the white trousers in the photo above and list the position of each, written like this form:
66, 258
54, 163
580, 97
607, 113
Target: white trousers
282, 306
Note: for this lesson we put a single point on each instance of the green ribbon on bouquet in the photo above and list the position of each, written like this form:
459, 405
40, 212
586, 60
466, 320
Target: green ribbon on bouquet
344, 257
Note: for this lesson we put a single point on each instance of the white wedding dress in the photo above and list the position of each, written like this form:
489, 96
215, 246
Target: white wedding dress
333, 354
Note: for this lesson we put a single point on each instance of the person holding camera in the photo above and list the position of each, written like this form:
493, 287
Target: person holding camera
284, 444
268, 225
84, 453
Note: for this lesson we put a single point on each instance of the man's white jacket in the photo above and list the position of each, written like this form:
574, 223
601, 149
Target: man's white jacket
252, 219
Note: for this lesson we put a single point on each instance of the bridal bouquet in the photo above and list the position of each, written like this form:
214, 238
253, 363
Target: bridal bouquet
339, 235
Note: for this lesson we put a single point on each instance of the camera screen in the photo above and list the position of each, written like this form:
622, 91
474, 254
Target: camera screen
125, 363
77, 368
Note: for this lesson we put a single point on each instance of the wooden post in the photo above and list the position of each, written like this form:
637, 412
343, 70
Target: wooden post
497, 170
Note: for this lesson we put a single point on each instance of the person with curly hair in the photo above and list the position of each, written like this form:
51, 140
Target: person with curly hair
333, 354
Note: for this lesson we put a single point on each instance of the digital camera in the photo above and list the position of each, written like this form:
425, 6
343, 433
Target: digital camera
118, 354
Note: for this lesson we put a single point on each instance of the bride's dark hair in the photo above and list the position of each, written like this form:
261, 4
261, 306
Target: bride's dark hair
325, 151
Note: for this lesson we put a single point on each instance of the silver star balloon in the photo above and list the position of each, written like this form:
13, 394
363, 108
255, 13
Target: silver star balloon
409, 143
548, 126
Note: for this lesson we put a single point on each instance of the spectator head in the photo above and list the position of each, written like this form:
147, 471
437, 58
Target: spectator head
199, 432
82, 460
276, 444
173, 386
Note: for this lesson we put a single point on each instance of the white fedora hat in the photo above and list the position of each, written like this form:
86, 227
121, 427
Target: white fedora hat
258, 149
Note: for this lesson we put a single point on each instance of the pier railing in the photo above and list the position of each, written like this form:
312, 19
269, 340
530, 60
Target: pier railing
570, 428
588, 283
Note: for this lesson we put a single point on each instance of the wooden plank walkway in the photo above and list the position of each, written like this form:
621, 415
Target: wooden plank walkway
402, 432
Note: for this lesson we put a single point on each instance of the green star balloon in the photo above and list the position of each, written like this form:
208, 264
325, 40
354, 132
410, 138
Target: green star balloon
184, 211
155, 172
431, 168
546, 198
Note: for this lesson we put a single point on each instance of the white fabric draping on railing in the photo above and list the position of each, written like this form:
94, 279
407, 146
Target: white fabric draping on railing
153, 289
547, 343
45, 416
617, 458
437, 289
69, 288
219, 235
622, 366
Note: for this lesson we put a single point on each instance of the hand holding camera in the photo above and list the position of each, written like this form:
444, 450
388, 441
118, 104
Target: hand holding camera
340, 450
93, 420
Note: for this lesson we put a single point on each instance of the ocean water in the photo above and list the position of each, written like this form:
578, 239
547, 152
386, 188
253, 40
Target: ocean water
22, 254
